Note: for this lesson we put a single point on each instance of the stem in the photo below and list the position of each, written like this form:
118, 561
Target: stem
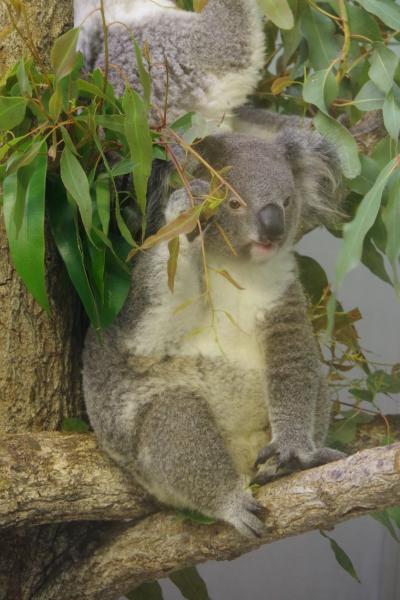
347, 39
106, 55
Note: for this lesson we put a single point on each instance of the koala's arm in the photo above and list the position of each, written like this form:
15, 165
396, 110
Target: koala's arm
265, 123
298, 403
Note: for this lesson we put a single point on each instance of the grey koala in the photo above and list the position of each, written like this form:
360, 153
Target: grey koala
183, 388
207, 62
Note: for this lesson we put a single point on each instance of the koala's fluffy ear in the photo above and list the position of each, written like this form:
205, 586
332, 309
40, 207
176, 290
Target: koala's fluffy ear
316, 168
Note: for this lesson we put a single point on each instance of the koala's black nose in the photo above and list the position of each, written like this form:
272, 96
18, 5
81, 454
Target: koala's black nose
271, 222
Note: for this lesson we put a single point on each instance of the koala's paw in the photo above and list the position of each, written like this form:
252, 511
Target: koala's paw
286, 458
244, 514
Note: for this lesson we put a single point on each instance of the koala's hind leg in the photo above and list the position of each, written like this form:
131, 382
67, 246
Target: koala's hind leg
182, 460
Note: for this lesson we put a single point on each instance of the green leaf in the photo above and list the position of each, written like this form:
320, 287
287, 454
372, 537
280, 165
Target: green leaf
76, 183
394, 513
146, 591
391, 115
123, 167
278, 12
313, 277
68, 140
65, 230
369, 97
387, 10
341, 557
319, 32
383, 66
361, 23
369, 173
103, 203
344, 142
343, 431
355, 232
93, 90
144, 76
391, 218
12, 111
63, 53
23, 81
56, 103
21, 159
321, 89
190, 584
73, 424
374, 260
111, 122
140, 143
384, 519
26, 189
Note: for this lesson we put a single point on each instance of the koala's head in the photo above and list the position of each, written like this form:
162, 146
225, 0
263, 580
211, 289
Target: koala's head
288, 184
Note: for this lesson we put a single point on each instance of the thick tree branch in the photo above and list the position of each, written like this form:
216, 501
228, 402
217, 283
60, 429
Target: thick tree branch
161, 543
53, 477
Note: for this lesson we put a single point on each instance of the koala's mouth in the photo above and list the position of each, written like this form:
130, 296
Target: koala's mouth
263, 250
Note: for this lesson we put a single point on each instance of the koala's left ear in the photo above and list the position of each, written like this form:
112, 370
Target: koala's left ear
316, 168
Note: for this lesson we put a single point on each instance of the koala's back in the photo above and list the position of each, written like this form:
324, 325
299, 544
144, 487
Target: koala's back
190, 64
178, 340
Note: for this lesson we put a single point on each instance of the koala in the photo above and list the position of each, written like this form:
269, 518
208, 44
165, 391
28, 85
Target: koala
195, 393
207, 62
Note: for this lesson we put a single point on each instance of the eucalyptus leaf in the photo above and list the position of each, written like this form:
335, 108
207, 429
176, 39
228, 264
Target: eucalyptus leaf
387, 10
319, 32
383, 67
63, 54
391, 115
342, 558
12, 111
391, 218
370, 97
26, 188
140, 142
190, 584
344, 142
146, 591
76, 183
278, 12
321, 89
355, 232
65, 230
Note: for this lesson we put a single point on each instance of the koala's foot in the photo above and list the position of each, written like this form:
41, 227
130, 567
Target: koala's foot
243, 512
286, 460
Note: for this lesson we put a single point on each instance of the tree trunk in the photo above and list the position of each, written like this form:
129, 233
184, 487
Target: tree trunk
39, 352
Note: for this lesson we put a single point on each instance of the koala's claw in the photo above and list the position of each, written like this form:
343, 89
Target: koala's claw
291, 459
245, 517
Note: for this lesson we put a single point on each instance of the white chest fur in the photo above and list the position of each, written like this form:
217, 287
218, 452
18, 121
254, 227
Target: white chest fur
222, 325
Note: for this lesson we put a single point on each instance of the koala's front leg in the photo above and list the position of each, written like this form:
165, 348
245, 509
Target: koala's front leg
296, 410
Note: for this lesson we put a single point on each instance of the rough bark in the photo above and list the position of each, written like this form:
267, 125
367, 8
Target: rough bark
51, 477
39, 352
162, 542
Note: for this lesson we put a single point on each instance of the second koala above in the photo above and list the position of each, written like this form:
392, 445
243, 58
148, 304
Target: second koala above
182, 389
207, 62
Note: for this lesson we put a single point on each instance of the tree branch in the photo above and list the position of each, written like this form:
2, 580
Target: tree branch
50, 477
161, 543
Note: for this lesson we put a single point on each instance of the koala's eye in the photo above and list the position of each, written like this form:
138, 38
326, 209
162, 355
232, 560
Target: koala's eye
235, 204
286, 202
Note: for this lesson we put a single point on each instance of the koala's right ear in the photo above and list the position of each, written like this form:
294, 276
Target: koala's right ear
316, 169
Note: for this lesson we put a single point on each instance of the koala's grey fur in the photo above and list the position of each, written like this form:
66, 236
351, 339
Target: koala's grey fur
213, 58
182, 388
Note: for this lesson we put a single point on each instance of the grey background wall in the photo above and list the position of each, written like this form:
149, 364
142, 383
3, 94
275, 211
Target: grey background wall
304, 568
